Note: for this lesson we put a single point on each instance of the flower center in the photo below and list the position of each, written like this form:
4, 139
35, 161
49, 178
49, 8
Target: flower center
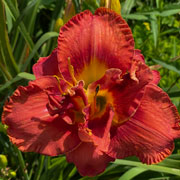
92, 72
80, 95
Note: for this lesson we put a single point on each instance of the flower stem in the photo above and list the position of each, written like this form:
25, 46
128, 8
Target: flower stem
5, 72
41, 163
22, 164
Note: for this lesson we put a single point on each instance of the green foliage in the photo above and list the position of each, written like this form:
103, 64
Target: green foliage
27, 33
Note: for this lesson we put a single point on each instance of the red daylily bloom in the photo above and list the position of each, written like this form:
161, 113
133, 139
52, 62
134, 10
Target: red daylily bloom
94, 99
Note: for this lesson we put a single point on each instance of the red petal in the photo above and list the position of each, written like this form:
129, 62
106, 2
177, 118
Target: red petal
88, 159
95, 43
156, 77
149, 134
138, 56
46, 65
31, 127
99, 128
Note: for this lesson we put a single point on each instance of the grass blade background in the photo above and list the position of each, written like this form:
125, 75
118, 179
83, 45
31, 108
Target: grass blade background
132, 173
157, 168
5, 45
43, 39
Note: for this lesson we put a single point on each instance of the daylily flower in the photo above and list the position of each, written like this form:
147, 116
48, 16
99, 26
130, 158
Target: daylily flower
94, 99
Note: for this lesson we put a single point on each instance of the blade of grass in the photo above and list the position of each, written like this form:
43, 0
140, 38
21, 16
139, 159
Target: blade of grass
169, 31
169, 12
132, 173
4, 71
9, 83
71, 173
157, 3
23, 14
43, 39
22, 27
26, 75
8, 19
22, 164
40, 168
154, 26
174, 94
22, 75
77, 5
173, 163
161, 178
156, 168
33, 17
5, 45
174, 50
135, 16
166, 65
128, 5
58, 11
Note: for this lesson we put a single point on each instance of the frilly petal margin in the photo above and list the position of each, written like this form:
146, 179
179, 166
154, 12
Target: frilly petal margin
103, 40
156, 77
47, 66
139, 57
30, 126
149, 134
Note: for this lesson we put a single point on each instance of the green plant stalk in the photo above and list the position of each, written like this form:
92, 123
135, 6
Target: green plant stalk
43, 38
133, 172
3, 68
22, 164
9, 83
56, 13
47, 162
32, 169
5, 72
4, 41
14, 39
70, 175
40, 167
22, 27
157, 168
24, 13
77, 5
33, 17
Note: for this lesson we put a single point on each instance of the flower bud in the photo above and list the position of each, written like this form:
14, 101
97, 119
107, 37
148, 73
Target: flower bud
3, 161
59, 23
12, 173
115, 5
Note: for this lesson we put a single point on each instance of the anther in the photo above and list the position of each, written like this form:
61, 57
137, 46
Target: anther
97, 88
94, 108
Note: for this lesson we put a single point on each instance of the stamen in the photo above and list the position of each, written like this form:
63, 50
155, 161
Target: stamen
62, 78
71, 71
59, 86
